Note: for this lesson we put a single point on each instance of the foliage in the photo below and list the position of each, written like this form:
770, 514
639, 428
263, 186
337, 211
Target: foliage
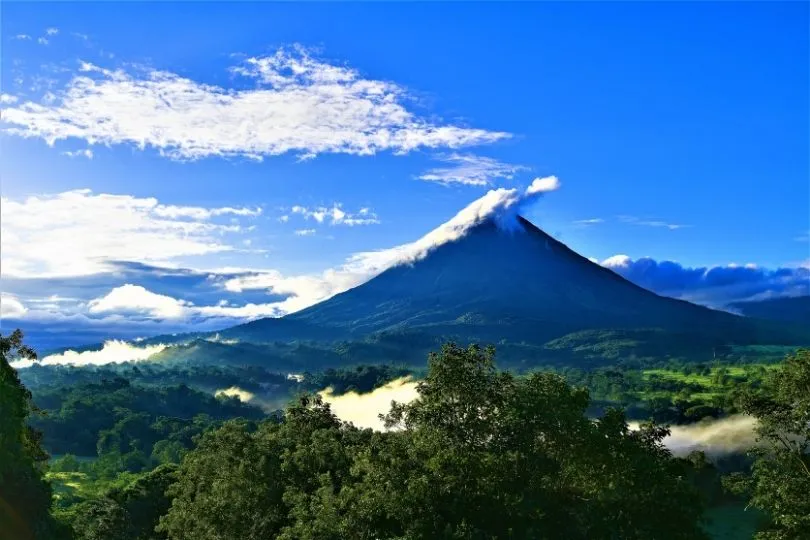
480, 454
117, 417
780, 480
362, 378
25, 497
127, 513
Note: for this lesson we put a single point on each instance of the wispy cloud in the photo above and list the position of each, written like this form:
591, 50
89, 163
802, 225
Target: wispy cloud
651, 223
335, 215
301, 105
803, 237
591, 221
305, 232
22, 37
51, 31
43, 41
470, 170
77, 232
87, 153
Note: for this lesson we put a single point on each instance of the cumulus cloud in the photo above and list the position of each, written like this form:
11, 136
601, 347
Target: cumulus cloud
11, 307
137, 300
134, 301
335, 215
470, 170
542, 185
716, 286
113, 352
51, 31
300, 105
7, 99
363, 410
78, 232
502, 205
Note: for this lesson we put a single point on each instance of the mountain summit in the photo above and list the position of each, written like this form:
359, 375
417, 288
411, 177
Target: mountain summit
502, 282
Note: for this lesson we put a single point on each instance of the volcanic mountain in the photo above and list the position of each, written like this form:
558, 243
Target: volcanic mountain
507, 284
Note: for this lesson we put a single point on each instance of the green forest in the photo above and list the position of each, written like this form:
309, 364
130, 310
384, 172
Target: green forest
147, 452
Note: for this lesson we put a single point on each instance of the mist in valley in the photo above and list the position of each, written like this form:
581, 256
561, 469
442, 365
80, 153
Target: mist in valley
716, 437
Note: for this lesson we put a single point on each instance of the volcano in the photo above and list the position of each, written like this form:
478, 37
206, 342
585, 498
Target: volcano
513, 284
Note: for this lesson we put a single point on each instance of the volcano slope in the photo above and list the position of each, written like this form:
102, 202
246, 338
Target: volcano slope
519, 288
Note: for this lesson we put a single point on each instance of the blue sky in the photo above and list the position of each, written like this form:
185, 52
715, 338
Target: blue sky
678, 132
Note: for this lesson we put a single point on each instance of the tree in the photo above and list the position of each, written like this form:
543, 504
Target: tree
482, 454
25, 496
779, 483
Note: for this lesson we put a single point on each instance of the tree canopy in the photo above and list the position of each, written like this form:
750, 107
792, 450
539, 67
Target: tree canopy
479, 454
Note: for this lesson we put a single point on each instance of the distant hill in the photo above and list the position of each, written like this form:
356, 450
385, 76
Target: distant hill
795, 309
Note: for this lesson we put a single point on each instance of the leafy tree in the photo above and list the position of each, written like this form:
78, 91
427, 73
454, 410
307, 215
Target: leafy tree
127, 513
780, 480
25, 497
480, 454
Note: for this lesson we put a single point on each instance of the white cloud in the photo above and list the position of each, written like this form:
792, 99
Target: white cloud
79, 153
470, 170
305, 232
592, 221
335, 215
199, 213
617, 261
284, 219
502, 205
42, 41
11, 307
22, 37
543, 185
113, 352
651, 223
51, 31
138, 300
135, 300
7, 99
300, 105
76, 232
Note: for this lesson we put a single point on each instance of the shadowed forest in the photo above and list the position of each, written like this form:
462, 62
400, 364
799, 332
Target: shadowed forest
479, 452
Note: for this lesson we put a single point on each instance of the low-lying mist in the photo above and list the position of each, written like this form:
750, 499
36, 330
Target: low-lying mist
112, 352
724, 436
363, 410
